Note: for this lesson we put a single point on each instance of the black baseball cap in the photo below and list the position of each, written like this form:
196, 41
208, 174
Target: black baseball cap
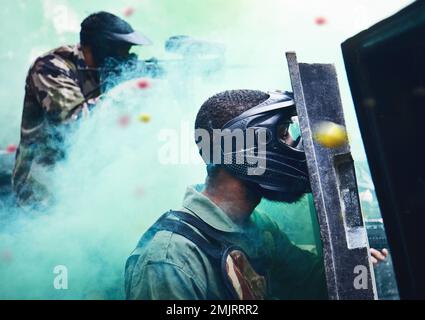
110, 27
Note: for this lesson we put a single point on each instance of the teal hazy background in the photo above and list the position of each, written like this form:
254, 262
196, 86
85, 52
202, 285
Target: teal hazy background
256, 34
116, 181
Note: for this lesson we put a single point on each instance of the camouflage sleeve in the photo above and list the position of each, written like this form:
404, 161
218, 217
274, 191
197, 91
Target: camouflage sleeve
55, 86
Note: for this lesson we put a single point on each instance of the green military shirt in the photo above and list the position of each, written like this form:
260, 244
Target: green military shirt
170, 266
57, 86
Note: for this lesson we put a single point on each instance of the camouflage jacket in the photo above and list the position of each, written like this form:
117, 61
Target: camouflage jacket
57, 86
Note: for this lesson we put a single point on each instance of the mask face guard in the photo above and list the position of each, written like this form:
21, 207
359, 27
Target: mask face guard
285, 162
275, 115
270, 104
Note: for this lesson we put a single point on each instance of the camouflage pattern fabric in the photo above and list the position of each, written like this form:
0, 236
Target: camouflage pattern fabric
58, 85
248, 284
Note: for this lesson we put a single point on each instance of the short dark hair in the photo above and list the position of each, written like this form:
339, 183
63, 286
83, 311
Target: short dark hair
224, 106
102, 21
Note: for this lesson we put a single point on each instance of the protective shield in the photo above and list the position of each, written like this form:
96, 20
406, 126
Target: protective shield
349, 271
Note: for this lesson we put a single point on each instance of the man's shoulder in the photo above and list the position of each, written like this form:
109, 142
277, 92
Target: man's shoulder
65, 52
61, 59
159, 247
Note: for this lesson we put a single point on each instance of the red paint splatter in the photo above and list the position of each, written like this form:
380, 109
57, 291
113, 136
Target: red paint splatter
139, 192
6, 256
143, 84
128, 12
124, 121
11, 148
320, 21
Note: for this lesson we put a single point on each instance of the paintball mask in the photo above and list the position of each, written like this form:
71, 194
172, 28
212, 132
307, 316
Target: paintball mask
272, 155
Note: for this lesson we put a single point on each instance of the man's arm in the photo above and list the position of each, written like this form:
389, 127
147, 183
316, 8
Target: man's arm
300, 273
56, 88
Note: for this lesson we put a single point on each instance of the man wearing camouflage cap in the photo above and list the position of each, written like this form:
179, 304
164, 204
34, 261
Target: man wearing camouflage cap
61, 85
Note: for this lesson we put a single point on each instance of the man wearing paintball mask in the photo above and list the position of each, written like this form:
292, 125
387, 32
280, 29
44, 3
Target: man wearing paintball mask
62, 85
217, 246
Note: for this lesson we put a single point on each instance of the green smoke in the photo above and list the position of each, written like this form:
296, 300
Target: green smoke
112, 185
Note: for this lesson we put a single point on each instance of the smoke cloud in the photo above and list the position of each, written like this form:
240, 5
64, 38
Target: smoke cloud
116, 179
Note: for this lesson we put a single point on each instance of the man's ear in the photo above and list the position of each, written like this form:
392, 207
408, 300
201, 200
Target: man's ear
88, 56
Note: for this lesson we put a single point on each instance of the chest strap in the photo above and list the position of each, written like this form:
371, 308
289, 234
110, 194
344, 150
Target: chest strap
212, 241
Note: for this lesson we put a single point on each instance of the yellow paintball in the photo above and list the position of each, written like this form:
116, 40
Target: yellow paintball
144, 117
331, 135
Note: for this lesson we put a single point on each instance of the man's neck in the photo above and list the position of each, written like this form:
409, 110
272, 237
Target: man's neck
232, 196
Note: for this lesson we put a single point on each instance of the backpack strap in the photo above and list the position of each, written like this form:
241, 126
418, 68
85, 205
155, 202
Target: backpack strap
211, 241
207, 230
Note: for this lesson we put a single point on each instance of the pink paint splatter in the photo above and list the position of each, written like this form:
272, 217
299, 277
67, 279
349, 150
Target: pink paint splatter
128, 12
11, 148
139, 192
143, 84
320, 21
124, 121
6, 256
